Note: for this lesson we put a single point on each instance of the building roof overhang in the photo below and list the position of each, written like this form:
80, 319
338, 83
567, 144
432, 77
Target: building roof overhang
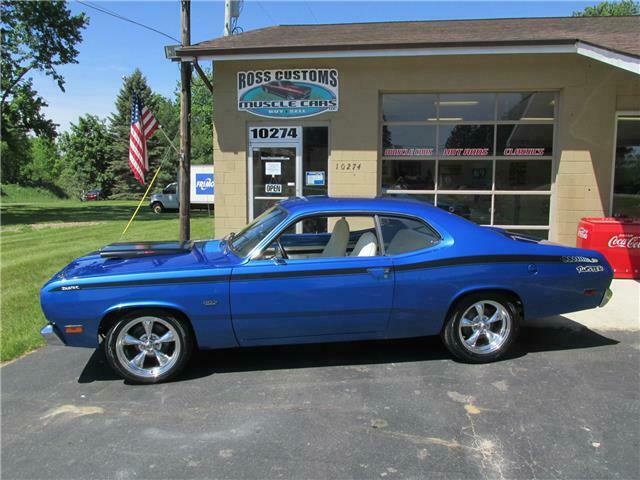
605, 39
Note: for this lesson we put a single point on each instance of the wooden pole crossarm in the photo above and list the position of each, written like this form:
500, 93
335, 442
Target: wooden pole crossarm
203, 75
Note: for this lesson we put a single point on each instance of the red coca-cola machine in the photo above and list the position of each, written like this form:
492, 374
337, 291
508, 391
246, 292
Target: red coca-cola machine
618, 239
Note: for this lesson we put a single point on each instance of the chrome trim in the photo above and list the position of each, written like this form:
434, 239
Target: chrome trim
50, 334
607, 296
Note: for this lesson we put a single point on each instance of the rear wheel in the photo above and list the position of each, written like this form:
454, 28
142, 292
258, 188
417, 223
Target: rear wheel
481, 327
157, 208
149, 346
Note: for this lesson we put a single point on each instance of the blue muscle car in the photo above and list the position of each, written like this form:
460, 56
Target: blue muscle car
318, 269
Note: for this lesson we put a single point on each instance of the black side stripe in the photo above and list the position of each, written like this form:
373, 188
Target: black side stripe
135, 283
449, 262
478, 259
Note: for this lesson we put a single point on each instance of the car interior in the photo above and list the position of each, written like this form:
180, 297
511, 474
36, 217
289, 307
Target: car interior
350, 237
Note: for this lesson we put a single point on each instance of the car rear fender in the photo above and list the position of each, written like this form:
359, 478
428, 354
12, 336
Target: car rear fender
488, 290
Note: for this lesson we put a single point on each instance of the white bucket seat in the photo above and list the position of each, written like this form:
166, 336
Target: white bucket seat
367, 246
337, 244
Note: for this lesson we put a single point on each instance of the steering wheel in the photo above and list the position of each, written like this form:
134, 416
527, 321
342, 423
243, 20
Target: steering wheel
283, 253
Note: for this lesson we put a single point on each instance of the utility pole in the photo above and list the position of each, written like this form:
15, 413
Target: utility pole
185, 125
227, 18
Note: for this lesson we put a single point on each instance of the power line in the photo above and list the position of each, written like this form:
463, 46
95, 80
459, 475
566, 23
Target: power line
311, 12
266, 12
117, 15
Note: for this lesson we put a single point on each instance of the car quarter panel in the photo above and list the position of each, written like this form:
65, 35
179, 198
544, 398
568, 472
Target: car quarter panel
202, 296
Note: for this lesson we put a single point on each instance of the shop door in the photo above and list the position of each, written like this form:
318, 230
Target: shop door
274, 166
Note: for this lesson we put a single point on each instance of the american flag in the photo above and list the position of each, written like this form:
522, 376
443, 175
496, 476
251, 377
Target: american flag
143, 124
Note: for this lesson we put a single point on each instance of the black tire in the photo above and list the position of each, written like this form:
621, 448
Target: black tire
116, 351
157, 208
454, 337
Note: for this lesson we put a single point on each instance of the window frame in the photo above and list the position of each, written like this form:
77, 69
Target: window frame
616, 117
426, 224
494, 157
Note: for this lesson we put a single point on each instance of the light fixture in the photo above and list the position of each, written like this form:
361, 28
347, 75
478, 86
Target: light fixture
537, 119
448, 103
446, 119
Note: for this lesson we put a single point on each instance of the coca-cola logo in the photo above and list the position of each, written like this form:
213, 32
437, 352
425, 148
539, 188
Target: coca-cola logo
583, 233
624, 240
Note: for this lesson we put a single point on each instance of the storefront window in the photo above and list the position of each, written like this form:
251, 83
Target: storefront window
484, 156
476, 208
465, 174
465, 140
408, 140
523, 175
409, 108
408, 175
524, 140
458, 107
526, 106
626, 185
521, 210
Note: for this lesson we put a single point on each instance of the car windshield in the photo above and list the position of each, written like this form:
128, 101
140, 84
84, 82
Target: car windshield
256, 231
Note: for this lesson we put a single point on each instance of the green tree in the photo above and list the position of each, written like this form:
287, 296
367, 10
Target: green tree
201, 121
624, 8
86, 152
45, 165
125, 185
36, 36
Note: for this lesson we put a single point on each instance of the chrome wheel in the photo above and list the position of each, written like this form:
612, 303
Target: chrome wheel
484, 327
148, 346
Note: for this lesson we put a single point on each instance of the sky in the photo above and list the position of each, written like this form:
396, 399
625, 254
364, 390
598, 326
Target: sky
112, 48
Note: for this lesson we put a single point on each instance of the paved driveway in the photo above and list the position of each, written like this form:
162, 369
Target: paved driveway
564, 405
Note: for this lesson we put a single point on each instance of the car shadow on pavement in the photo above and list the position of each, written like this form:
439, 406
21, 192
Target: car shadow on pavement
551, 334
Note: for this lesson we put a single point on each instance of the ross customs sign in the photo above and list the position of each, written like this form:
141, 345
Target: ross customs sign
294, 93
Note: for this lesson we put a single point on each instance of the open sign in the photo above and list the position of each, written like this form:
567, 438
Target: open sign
273, 188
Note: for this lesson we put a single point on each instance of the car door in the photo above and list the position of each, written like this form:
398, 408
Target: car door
311, 300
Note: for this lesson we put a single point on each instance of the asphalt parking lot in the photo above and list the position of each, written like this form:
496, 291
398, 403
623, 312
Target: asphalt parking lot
565, 404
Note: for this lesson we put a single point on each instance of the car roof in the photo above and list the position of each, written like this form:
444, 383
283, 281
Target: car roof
321, 204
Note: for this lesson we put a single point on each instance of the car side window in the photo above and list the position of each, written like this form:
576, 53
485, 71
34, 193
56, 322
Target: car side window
170, 189
404, 235
327, 236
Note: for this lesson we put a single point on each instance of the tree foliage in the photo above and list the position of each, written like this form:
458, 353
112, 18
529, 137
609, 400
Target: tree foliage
624, 8
36, 36
87, 151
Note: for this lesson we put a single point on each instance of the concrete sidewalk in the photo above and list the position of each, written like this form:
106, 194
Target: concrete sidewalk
621, 313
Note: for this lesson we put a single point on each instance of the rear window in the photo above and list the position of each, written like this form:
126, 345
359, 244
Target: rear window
404, 235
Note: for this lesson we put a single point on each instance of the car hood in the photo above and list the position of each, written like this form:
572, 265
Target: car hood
202, 255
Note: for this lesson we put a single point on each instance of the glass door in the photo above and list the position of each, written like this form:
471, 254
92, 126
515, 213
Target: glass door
274, 176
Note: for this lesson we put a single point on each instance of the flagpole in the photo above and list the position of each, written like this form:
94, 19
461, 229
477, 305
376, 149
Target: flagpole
141, 201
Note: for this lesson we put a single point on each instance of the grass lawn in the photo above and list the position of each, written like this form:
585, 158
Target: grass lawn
38, 239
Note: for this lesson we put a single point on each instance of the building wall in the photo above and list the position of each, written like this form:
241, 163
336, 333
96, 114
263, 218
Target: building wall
590, 94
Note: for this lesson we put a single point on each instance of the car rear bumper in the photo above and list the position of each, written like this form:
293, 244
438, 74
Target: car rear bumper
50, 334
607, 296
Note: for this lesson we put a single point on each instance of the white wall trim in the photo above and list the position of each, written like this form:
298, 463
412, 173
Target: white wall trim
619, 60
393, 52
626, 62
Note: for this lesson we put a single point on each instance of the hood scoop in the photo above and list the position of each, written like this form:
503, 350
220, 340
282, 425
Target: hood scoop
144, 249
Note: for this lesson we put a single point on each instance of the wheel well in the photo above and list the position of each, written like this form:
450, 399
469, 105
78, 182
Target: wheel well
157, 202
502, 291
111, 318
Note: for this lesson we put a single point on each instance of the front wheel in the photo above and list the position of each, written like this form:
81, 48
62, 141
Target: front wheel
481, 327
157, 208
148, 347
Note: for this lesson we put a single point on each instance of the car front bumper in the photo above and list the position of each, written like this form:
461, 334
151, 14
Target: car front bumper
607, 296
50, 334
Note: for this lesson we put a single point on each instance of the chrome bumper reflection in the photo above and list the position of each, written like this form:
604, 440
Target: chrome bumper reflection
607, 296
50, 335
